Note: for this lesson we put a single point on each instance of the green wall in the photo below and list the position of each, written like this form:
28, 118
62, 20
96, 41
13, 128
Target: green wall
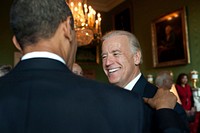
6, 46
143, 12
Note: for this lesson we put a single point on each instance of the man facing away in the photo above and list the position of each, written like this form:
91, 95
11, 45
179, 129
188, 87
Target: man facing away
42, 95
121, 59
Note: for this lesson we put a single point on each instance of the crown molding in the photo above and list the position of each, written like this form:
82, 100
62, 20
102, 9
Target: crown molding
104, 5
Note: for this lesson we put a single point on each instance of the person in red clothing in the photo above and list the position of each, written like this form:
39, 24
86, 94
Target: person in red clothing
185, 93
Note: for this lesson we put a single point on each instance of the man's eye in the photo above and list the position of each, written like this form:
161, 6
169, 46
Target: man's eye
116, 54
103, 56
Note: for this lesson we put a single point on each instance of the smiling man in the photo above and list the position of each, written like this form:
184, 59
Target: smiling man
121, 59
120, 62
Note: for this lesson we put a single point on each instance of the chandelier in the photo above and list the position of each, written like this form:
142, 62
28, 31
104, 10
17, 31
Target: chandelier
87, 22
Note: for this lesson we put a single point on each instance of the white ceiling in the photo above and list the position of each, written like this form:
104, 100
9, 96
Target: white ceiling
104, 5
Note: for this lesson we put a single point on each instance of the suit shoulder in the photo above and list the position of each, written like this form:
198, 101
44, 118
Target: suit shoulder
150, 90
111, 91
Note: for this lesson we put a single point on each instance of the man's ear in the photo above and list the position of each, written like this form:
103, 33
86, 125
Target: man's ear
137, 58
15, 42
68, 29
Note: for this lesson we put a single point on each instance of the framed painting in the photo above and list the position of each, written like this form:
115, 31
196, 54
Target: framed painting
170, 39
88, 54
122, 19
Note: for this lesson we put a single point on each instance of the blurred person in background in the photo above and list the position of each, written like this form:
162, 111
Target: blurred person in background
4, 69
76, 68
185, 93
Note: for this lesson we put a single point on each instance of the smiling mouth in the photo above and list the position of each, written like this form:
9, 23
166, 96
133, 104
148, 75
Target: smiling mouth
113, 70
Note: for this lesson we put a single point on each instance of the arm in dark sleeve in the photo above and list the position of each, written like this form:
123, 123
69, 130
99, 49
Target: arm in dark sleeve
168, 121
192, 98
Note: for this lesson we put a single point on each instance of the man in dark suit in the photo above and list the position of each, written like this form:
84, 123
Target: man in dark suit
121, 59
148, 90
42, 95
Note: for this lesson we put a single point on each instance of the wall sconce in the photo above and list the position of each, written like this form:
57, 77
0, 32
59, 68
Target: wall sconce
195, 89
194, 78
150, 78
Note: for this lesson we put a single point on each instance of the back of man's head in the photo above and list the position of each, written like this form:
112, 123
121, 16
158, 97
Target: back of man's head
164, 80
34, 20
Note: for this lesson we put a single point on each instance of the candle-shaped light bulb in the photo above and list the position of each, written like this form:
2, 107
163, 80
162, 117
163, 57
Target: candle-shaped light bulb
72, 4
85, 8
79, 4
90, 9
96, 25
99, 19
75, 9
89, 19
85, 5
98, 15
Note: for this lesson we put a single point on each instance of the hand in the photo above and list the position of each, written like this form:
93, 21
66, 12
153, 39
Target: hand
162, 99
193, 110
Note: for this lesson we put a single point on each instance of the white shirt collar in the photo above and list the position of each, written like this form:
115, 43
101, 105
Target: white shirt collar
131, 84
42, 55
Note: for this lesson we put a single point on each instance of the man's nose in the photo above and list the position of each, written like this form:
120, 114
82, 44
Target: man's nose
109, 60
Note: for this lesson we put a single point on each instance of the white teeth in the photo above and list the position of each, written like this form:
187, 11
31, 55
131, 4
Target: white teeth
113, 70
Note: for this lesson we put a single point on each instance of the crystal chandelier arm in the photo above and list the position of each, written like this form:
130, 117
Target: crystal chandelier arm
87, 22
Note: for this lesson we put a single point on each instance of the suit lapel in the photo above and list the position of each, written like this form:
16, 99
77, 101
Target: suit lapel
140, 86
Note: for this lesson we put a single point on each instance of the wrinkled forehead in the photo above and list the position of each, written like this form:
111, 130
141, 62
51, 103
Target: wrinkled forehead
115, 41
118, 42
115, 36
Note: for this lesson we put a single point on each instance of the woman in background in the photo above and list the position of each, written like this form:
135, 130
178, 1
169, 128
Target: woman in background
185, 93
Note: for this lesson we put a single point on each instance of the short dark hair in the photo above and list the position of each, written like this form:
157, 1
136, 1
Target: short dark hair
33, 20
180, 76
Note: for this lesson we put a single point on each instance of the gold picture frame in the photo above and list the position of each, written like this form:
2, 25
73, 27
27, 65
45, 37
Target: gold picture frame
170, 39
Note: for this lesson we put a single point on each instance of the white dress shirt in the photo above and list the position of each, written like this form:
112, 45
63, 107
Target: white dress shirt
42, 54
131, 84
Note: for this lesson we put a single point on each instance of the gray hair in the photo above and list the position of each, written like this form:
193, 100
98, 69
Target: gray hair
4, 69
133, 41
161, 77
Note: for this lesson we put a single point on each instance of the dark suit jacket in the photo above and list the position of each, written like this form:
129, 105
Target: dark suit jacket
43, 96
148, 90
